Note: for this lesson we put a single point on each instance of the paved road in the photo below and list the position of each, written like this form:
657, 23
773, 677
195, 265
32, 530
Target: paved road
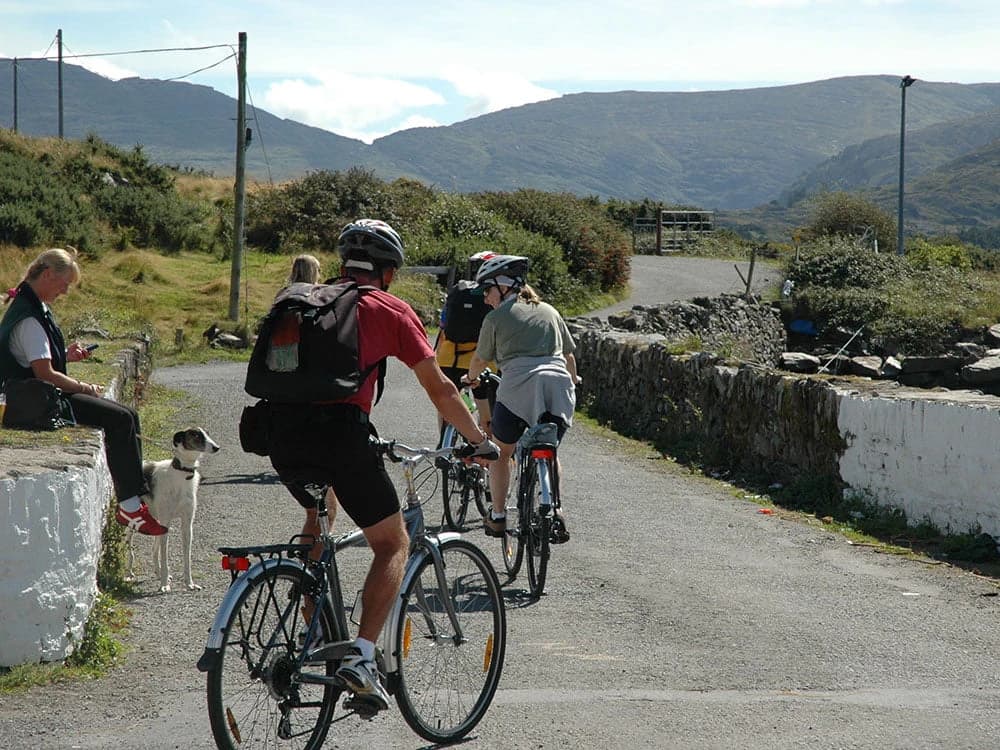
677, 617
658, 280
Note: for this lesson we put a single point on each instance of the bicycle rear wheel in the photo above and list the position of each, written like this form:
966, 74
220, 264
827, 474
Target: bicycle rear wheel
539, 526
444, 685
253, 699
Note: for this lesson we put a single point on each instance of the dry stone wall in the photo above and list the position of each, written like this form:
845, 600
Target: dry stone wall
925, 452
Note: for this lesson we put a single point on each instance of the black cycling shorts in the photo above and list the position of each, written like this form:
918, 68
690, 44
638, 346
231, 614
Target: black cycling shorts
508, 427
313, 446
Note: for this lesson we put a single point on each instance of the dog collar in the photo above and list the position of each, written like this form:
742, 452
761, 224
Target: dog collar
176, 464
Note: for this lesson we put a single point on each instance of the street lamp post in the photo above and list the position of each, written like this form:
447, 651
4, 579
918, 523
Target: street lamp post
904, 83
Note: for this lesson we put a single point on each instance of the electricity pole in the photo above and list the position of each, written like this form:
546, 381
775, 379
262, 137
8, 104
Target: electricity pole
59, 44
904, 84
240, 187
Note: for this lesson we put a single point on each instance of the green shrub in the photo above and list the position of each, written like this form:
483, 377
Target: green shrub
842, 264
596, 251
849, 215
924, 254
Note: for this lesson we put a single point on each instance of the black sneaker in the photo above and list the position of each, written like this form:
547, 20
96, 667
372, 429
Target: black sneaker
494, 526
558, 534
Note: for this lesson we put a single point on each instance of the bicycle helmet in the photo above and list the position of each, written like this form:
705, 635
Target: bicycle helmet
504, 270
370, 243
477, 260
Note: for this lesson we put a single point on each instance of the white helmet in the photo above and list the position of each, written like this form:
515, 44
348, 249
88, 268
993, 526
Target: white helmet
505, 270
371, 241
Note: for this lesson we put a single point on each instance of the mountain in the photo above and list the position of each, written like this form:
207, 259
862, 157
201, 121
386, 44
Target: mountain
714, 149
175, 122
874, 163
720, 150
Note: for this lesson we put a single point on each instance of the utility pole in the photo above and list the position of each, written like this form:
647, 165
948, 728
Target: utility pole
59, 44
240, 187
904, 83
15, 94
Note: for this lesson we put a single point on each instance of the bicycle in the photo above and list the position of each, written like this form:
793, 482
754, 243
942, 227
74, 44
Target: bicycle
530, 521
271, 670
461, 482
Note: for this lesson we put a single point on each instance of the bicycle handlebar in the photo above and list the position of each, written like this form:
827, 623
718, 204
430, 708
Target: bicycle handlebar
398, 452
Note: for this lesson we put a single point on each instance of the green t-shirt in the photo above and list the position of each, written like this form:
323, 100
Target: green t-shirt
521, 329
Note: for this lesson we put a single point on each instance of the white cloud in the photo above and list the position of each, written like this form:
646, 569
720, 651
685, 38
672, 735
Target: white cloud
104, 68
348, 105
490, 91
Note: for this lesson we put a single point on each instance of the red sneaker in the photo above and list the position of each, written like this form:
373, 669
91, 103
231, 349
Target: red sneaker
141, 521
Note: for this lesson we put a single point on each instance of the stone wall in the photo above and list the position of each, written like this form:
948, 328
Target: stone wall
52, 513
927, 452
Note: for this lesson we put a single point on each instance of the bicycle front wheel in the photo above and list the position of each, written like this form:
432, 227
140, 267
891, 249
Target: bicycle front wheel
539, 525
512, 543
254, 700
447, 679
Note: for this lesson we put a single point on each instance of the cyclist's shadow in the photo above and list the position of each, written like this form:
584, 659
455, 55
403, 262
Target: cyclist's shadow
516, 598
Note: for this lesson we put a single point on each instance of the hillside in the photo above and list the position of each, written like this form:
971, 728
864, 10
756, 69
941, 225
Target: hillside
875, 162
714, 149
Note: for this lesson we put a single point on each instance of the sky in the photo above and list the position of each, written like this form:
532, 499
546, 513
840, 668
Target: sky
367, 69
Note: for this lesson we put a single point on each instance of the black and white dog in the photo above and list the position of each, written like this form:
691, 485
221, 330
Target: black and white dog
173, 485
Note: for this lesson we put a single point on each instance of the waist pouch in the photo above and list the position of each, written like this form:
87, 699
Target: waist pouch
255, 428
34, 404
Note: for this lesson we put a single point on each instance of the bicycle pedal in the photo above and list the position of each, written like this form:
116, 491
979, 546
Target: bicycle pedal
365, 708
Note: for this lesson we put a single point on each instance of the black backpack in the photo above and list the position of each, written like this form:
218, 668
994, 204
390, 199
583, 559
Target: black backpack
464, 310
307, 346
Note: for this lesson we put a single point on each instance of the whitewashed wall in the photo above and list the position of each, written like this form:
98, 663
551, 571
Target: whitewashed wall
50, 541
935, 459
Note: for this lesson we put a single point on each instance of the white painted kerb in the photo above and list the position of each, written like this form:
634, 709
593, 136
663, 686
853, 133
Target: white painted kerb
50, 542
935, 459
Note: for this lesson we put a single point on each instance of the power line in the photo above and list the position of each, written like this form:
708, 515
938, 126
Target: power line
207, 67
263, 150
130, 52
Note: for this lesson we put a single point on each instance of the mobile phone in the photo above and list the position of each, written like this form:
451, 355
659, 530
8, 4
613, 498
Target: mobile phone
92, 347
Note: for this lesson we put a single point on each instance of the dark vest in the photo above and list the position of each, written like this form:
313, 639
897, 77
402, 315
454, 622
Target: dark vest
27, 305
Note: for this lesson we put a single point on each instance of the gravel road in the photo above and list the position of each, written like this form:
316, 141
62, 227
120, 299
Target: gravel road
677, 617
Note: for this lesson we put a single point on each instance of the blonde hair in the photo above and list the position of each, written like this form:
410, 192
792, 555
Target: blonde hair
304, 268
61, 261
529, 295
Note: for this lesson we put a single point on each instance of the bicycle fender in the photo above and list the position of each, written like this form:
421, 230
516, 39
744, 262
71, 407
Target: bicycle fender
392, 623
213, 647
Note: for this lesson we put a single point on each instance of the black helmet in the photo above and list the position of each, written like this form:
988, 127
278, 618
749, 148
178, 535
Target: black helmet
507, 270
372, 240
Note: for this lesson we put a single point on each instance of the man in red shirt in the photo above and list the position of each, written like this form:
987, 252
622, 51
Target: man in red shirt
327, 443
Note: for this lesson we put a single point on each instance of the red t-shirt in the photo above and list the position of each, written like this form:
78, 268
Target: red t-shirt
387, 327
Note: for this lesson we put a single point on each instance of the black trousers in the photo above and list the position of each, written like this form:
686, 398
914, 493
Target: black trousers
122, 442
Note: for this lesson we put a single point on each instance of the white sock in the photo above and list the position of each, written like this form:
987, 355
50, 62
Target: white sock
131, 505
497, 516
366, 647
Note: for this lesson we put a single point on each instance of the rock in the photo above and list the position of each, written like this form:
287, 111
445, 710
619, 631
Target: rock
993, 335
868, 367
986, 370
970, 350
943, 363
891, 367
799, 362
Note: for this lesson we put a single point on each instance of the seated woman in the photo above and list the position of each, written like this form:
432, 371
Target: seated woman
531, 344
32, 346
